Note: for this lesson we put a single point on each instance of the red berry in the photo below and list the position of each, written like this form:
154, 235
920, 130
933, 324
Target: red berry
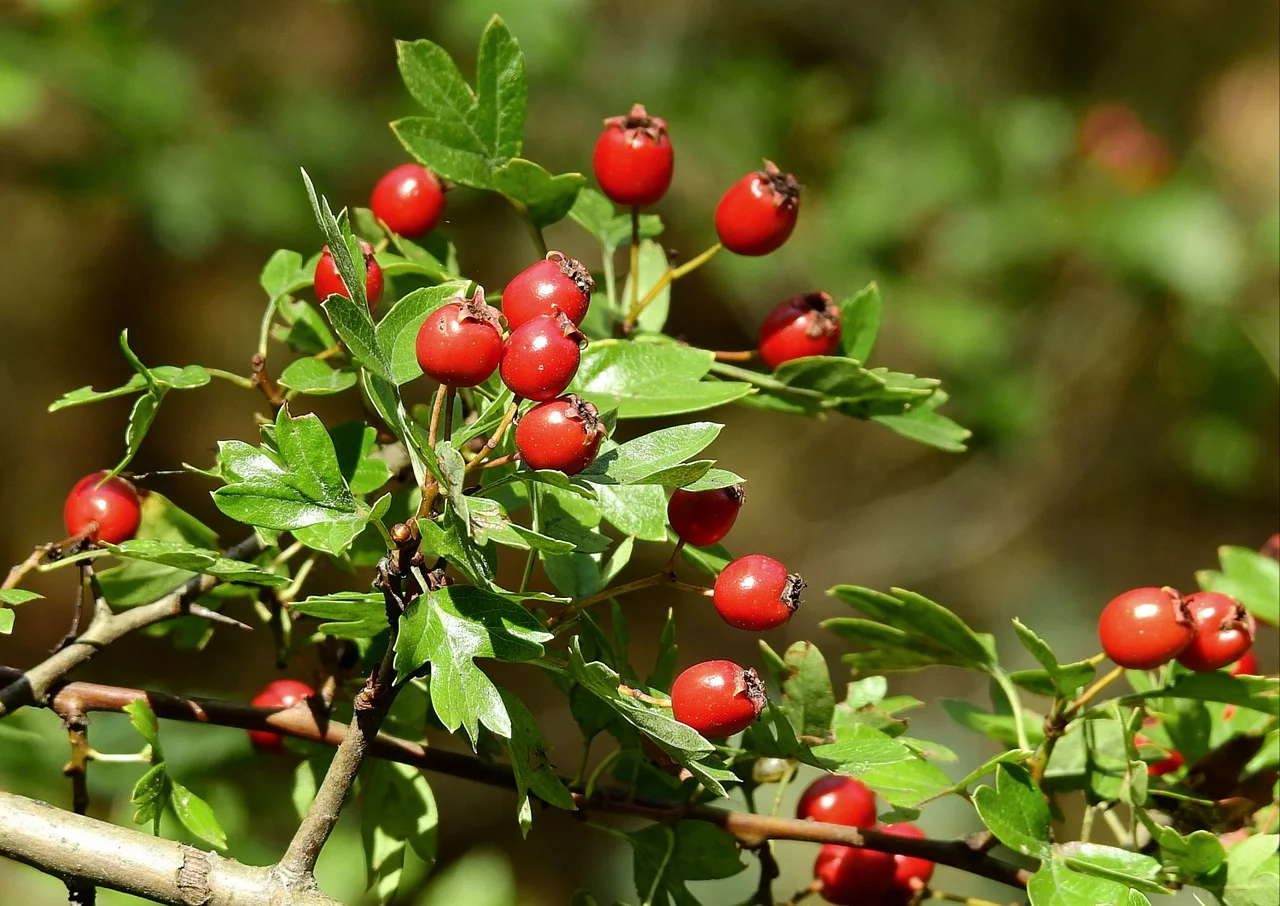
328, 283
562, 434
1224, 632
633, 158
1166, 765
1272, 547
460, 344
702, 518
756, 593
541, 357
838, 800
717, 698
409, 199
798, 327
1246, 666
279, 694
1145, 628
556, 282
758, 213
109, 513
910, 873
851, 876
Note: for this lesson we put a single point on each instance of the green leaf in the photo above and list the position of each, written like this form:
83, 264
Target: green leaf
527, 751
196, 815
397, 332
807, 698
1065, 682
347, 614
1253, 872
182, 556
141, 417
860, 322
167, 377
653, 265
144, 721
356, 330
283, 273
925, 632
482, 877
343, 246
140, 582
385, 398
303, 329
501, 91
545, 197
149, 795
885, 764
924, 424
638, 461
12, 597
313, 376
711, 560
490, 523
399, 810
1132, 869
639, 511
6, 621
1015, 811
450, 628
1057, 885
665, 858
644, 380
355, 445
713, 479
596, 214
1258, 693
1250, 577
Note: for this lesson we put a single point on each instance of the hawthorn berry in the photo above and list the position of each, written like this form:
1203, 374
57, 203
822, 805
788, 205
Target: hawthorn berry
1224, 632
633, 159
1246, 666
758, 213
460, 344
756, 593
717, 698
562, 434
279, 694
910, 873
1167, 765
109, 512
1145, 628
328, 282
409, 199
852, 876
798, 327
838, 800
702, 518
541, 357
557, 282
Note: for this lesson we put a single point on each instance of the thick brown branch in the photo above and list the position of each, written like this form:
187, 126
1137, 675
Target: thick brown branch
97, 854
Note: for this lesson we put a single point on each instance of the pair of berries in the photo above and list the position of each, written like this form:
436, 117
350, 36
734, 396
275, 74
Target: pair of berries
754, 592
279, 694
107, 511
633, 162
853, 876
1147, 627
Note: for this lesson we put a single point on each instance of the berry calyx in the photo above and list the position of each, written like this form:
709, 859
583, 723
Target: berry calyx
279, 694
558, 282
460, 344
758, 213
562, 434
633, 159
1224, 632
798, 327
717, 698
328, 282
409, 199
541, 357
1145, 628
1167, 765
833, 799
1246, 666
851, 876
757, 593
110, 512
910, 873
702, 518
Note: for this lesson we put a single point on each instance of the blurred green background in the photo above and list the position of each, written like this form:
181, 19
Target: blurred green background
1071, 209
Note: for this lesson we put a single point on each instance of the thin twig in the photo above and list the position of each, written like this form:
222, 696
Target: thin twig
79, 891
494, 439
661, 578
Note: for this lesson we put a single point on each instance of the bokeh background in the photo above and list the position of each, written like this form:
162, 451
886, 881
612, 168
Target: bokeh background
1071, 210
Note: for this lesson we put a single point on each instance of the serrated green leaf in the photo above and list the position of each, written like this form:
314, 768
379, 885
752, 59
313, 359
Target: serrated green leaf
303, 329
1015, 811
527, 752
643, 380
149, 795
356, 330
886, 765
638, 460
313, 376
144, 721
860, 322
12, 597
397, 332
545, 197
347, 614
1134, 870
182, 556
196, 815
665, 858
501, 91
928, 625
1063, 681
140, 582
343, 246
596, 214
807, 697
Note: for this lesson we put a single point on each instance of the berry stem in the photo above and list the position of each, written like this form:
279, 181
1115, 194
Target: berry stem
634, 271
745, 355
1088, 694
448, 413
960, 898
1015, 704
527, 576
535, 231
661, 578
671, 274
495, 439
437, 406
238, 379
801, 895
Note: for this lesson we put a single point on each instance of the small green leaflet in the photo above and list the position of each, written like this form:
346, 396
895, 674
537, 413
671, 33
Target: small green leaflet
807, 698
1015, 811
648, 459
182, 556
597, 215
1253, 872
1055, 884
860, 323
313, 376
908, 632
527, 752
887, 765
347, 614
666, 857
644, 380
399, 811
12, 597
1250, 577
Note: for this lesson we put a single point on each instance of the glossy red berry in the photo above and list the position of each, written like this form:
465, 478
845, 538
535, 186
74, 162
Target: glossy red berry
562, 434
800, 326
633, 158
851, 876
756, 593
910, 873
556, 282
328, 283
1246, 666
1224, 632
1167, 765
759, 211
541, 357
460, 344
1271, 548
702, 518
717, 698
409, 199
1145, 628
279, 694
109, 513
833, 799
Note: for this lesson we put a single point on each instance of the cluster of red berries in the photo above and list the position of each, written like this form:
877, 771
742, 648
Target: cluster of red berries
852, 876
1147, 628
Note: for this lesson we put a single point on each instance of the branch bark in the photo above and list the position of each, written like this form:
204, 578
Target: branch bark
79, 849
